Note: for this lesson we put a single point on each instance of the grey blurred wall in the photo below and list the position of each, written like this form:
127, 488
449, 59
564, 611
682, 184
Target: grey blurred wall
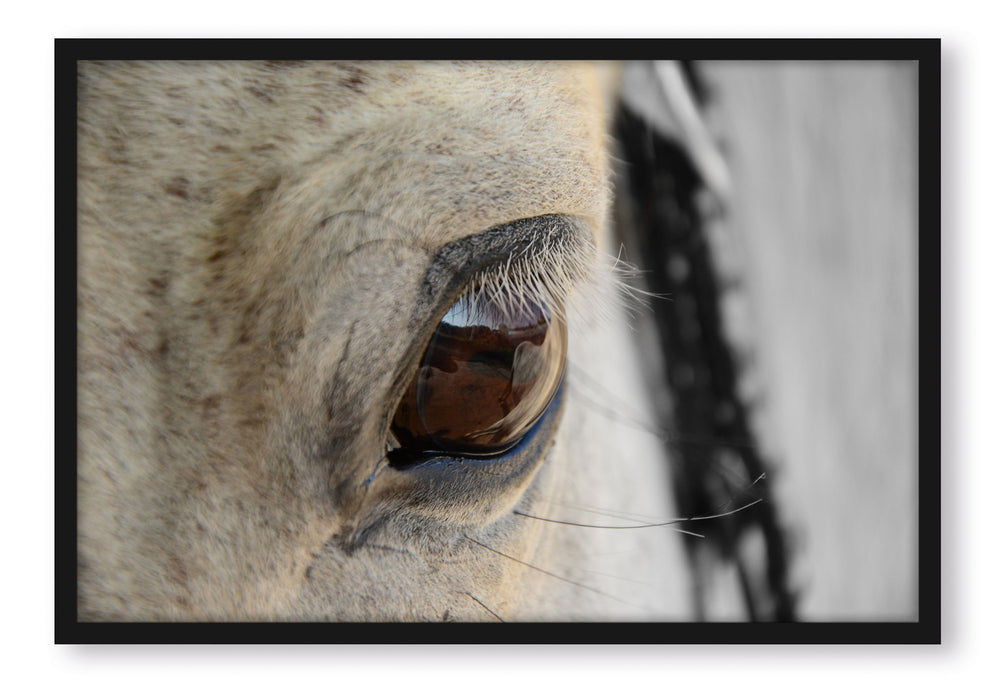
823, 228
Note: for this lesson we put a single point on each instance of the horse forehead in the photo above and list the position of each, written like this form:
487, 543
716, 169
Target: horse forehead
442, 149
445, 150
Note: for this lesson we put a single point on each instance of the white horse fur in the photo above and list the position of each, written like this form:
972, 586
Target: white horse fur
257, 251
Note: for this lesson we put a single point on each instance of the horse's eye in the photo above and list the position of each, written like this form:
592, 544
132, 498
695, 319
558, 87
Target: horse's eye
485, 379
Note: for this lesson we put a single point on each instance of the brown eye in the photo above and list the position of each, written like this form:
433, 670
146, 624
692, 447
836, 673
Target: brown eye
485, 379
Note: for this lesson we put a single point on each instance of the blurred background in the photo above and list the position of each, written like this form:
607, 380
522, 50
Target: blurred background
799, 187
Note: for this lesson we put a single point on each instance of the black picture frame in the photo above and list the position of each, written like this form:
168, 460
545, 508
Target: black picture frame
926, 630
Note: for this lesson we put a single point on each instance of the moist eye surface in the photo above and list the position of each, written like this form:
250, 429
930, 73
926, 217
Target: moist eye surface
486, 377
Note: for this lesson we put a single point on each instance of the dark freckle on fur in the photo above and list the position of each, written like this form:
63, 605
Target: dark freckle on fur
178, 187
263, 93
222, 249
309, 573
354, 80
353, 83
210, 406
318, 118
158, 285
162, 348
439, 149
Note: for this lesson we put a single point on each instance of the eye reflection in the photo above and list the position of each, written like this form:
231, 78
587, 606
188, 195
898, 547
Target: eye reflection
485, 379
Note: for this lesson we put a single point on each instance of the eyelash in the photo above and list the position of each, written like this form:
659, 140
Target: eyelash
572, 279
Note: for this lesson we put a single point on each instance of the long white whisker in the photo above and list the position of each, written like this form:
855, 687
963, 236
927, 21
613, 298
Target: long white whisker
492, 612
646, 525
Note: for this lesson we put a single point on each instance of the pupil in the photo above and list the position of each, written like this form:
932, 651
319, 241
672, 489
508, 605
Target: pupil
484, 381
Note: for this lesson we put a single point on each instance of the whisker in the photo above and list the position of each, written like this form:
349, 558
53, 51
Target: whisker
612, 413
491, 612
721, 515
625, 417
645, 520
666, 523
621, 514
611, 527
732, 498
550, 573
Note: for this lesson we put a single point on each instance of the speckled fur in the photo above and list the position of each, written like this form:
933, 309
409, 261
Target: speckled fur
252, 237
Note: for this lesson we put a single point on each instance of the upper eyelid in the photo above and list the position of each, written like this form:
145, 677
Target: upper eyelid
555, 251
